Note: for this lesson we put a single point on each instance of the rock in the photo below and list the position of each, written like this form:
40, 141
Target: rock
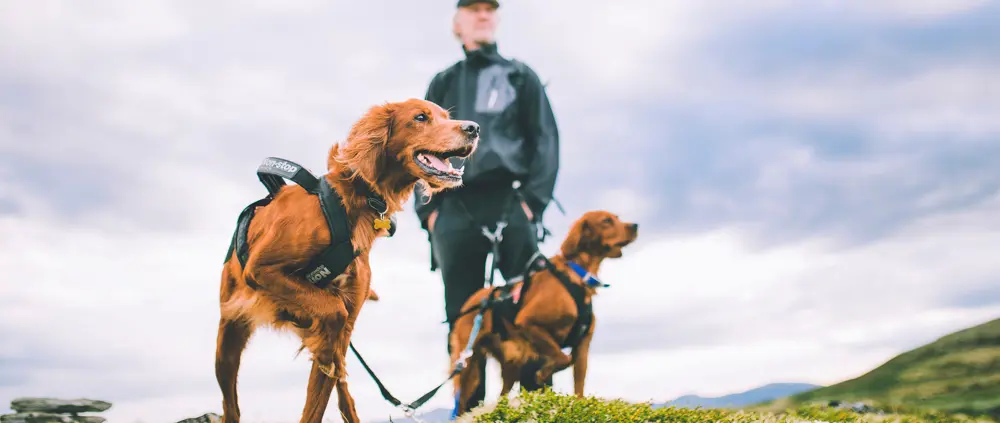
857, 407
39, 417
204, 418
55, 405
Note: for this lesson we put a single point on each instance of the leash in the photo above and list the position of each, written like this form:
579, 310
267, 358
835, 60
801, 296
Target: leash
495, 236
410, 408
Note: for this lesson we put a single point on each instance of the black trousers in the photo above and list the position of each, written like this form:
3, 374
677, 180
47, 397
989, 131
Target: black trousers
461, 249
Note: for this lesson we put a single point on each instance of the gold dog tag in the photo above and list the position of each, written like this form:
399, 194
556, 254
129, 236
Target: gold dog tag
382, 223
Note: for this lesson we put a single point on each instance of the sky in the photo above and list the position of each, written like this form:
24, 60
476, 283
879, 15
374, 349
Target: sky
817, 186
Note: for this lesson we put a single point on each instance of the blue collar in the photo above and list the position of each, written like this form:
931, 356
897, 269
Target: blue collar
587, 277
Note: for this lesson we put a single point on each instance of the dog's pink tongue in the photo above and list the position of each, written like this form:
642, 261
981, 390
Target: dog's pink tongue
435, 162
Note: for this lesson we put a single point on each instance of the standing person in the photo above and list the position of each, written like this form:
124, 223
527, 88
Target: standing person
519, 141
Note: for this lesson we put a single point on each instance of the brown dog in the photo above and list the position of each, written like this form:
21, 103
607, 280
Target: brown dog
545, 312
389, 150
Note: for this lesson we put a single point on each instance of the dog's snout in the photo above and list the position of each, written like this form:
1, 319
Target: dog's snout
634, 227
470, 128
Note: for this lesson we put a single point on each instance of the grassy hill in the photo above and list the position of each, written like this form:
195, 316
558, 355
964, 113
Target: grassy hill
549, 407
958, 373
753, 396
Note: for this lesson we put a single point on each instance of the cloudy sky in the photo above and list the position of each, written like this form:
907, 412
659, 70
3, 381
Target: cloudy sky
817, 186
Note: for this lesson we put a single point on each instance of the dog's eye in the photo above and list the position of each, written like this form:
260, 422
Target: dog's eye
608, 221
420, 118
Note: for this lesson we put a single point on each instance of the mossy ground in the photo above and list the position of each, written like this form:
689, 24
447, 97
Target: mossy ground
550, 407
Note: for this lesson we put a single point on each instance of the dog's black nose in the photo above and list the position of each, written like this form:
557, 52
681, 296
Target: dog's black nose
471, 128
634, 227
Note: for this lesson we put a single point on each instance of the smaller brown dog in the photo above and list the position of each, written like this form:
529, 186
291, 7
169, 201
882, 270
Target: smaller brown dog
550, 311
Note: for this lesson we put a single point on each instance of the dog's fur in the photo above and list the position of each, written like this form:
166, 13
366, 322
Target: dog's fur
546, 315
379, 155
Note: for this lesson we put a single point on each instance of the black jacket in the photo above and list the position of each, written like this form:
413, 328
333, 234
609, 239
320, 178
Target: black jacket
519, 139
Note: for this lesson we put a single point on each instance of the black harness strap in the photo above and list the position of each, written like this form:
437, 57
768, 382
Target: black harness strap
339, 254
273, 171
507, 304
584, 310
335, 258
239, 240
506, 307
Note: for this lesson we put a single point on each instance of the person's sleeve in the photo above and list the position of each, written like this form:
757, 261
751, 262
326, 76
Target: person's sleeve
543, 134
424, 210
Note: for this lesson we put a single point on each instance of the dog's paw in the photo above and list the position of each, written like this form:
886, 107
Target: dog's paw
540, 377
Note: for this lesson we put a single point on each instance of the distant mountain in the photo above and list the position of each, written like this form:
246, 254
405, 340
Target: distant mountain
959, 372
764, 393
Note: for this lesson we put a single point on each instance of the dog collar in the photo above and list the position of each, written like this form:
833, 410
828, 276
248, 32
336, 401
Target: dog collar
587, 277
378, 204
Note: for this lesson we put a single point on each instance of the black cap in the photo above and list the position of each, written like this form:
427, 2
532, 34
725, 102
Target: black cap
463, 3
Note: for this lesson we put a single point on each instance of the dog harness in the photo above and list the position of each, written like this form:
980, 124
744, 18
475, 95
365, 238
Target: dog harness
339, 254
505, 300
584, 310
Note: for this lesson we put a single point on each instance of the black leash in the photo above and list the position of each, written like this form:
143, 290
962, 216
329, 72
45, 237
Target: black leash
412, 407
496, 238
458, 366
496, 235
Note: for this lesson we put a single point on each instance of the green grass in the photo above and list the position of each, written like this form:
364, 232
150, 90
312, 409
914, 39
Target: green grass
951, 380
549, 407
958, 373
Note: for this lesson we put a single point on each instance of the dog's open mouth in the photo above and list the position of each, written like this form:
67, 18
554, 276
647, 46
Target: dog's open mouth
622, 244
438, 163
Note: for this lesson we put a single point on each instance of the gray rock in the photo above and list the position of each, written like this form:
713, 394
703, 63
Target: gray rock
204, 418
37, 417
55, 405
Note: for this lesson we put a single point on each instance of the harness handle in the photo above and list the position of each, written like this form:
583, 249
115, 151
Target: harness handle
273, 171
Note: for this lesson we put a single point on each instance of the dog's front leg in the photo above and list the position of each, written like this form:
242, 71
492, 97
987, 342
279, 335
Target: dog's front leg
318, 393
580, 356
510, 374
231, 341
344, 399
327, 314
553, 359
328, 367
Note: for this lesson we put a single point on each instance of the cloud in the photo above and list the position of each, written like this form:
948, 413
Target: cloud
795, 177
792, 121
716, 289
133, 321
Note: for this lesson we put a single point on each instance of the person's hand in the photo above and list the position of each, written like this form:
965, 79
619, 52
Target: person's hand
527, 211
430, 220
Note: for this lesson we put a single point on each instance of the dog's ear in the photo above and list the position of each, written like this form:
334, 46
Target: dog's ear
332, 157
365, 150
578, 239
